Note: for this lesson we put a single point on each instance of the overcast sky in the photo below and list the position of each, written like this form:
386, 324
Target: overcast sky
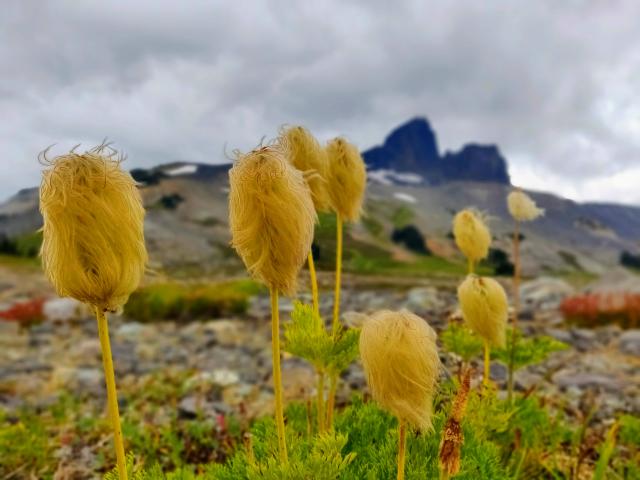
555, 84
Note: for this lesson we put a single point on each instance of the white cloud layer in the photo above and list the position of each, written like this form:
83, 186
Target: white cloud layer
554, 84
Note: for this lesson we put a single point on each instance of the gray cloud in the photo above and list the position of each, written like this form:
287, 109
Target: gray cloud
553, 83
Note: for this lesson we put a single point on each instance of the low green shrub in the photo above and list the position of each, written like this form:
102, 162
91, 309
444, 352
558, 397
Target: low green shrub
25, 447
183, 302
24, 246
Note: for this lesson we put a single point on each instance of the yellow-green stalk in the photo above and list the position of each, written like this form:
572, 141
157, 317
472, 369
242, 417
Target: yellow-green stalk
271, 217
307, 155
93, 245
523, 209
401, 364
346, 183
484, 307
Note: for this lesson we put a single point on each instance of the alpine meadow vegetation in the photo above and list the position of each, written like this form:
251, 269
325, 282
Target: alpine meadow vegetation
416, 418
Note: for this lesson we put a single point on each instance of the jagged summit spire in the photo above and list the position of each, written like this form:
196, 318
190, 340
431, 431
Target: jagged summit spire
413, 148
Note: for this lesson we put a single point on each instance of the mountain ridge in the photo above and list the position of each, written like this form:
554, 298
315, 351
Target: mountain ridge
413, 147
187, 224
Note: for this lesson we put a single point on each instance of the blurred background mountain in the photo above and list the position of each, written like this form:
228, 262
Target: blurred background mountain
414, 190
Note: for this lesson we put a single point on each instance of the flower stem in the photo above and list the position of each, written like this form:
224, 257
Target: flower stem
516, 309
487, 363
331, 400
321, 417
314, 283
335, 323
470, 268
112, 395
402, 446
277, 374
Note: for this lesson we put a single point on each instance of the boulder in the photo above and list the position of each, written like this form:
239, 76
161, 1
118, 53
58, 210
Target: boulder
544, 293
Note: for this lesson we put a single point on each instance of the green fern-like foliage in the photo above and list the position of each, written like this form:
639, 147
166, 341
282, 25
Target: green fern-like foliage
345, 350
502, 440
458, 339
529, 351
306, 337
630, 430
370, 436
318, 457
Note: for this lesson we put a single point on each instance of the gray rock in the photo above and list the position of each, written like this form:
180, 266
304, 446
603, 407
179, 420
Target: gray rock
498, 372
544, 293
560, 334
132, 331
629, 342
525, 379
584, 339
80, 380
569, 380
424, 299
194, 406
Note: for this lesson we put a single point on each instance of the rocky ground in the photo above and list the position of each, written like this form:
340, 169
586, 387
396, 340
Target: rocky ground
229, 358
234, 354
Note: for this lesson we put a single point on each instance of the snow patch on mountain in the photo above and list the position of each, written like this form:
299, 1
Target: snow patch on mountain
182, 170
405, 197
392, 177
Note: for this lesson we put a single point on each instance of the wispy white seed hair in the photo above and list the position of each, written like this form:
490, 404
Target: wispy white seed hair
471, 234
271, 216
484, 307
522, 207
400, 359
93, 242
308, 156
347, 179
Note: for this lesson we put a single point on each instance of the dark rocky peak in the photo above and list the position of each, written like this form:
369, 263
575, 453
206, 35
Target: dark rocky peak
411, 147
480, 163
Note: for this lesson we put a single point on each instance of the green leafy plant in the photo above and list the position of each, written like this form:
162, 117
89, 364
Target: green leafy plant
178, 301
531, 350
307, 337
459, 339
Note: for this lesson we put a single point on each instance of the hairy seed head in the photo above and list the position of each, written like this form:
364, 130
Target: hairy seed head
271, 216
307, 155
522, 207
347, 179
471, 234
93, 242
400, 359
484, 307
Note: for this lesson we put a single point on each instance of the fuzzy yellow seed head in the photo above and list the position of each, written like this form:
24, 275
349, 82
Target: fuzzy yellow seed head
522, 207
347, 179
93, 242
307, 155
484, 307
472, 235
400, 359
271, 216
